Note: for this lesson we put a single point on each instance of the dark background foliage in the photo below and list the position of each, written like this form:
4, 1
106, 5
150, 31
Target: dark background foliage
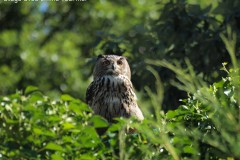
52, 45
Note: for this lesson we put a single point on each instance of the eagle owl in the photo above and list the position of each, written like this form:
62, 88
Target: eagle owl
111, 94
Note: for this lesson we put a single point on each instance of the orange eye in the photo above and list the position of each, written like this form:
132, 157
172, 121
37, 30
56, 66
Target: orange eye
106, 63
119, 62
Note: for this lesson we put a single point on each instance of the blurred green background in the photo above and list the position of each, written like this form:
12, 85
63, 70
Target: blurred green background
53, 45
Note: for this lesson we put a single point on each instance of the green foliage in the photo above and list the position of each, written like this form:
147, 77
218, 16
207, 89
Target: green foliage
52, 45
205, 126
33, 126
212, 115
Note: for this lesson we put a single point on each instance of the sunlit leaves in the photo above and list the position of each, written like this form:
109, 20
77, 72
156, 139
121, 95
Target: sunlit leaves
36, 122
30, 89
53, 146
98, 121
66, 97
66, 128
8, 38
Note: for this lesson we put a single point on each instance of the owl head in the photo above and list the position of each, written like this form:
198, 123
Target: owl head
111, 65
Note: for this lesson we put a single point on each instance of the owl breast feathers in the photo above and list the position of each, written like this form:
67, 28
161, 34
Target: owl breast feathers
111, 93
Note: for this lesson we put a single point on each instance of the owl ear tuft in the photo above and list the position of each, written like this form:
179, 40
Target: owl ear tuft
100, 56
124, 57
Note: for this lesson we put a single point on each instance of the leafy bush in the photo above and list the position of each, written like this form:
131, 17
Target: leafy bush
50, 45
206, 126
211, 118
33, 126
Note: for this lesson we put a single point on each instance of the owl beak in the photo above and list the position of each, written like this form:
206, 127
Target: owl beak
112, 72
114, 67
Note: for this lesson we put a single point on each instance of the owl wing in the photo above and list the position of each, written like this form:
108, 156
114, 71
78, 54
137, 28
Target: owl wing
131, 107
90, 93
136, 112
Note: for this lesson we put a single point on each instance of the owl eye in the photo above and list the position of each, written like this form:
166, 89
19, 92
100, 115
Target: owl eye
106, 63
119, 62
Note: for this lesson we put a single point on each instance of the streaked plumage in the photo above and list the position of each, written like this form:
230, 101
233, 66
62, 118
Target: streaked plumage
111, 92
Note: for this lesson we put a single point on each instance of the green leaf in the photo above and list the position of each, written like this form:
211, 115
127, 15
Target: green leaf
85, 107
189, 149
171, 114
219, 84
36, 96
8, 38
67, 138
53, 146
75, 108
79, 107
114, 127
88, 137
56, 157
30, 89
98, 121
10, 121
67, 126
66, 97
87, 157
54, 118
37, 131
45, 132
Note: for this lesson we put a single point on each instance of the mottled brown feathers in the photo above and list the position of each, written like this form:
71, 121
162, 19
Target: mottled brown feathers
111, 92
